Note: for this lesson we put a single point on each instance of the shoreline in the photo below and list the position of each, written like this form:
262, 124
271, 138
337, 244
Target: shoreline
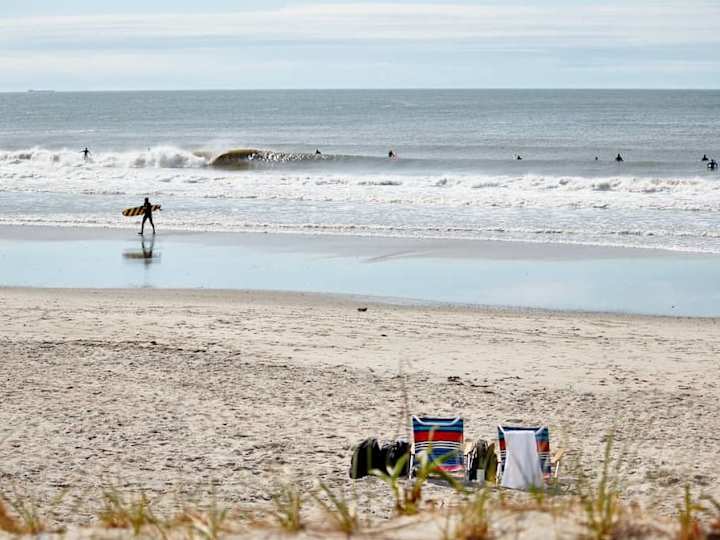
554, 277
315, 298
437, 246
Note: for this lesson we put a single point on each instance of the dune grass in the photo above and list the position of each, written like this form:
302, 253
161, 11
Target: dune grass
601, 501
408, 493
211, 524
471, 519
595, 510
288, 504
126, 512
340, 511
21, 513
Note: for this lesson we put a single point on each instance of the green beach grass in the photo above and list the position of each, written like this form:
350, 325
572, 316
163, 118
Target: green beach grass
581, 509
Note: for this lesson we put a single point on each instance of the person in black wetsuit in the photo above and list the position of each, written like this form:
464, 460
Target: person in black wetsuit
712, 165
392, 154
318, 152
147, 215
85, 153
619, 158
704, 158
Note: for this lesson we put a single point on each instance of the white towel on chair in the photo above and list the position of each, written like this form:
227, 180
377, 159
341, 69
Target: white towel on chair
522, 464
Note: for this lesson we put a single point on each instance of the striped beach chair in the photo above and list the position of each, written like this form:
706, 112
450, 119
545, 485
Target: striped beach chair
442, 440
549, 464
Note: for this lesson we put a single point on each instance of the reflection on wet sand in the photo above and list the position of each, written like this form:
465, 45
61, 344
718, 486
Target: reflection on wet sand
146, 251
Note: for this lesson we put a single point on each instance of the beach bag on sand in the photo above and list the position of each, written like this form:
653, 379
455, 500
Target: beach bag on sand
366, 456
393, 452
491, 464
482, 462
476, 460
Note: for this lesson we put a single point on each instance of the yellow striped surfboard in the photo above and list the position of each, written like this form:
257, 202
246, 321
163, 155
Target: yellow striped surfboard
138, 210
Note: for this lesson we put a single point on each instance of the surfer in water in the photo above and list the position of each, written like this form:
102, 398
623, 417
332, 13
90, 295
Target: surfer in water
318, 152
704, 158
147, 215
392, 154
619, 158
85, 153
712, 165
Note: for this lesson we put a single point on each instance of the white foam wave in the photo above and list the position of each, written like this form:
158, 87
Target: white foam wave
622, 209
380, 183
159, 157
150, 172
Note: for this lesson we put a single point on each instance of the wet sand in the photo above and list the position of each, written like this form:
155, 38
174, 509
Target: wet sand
420, 271
171, 391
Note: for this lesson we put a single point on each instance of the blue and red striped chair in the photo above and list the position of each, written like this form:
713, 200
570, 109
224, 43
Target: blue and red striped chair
549, 464
442, 440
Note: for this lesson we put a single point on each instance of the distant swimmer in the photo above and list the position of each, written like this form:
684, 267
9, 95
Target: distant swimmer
518, 157
596, 158
147, 215
85, 153
318, 152
392, 154
712, 165
619, 158
704, 158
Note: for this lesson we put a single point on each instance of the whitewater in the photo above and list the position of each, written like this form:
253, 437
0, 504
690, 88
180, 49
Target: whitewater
456, 176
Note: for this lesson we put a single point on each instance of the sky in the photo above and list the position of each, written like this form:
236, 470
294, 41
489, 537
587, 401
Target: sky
223, 44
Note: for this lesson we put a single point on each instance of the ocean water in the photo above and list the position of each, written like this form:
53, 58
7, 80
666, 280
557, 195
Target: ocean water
455, 175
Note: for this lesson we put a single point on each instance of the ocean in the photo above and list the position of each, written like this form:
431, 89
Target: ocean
455, 175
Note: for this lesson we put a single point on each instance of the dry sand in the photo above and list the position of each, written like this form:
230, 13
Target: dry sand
172, 391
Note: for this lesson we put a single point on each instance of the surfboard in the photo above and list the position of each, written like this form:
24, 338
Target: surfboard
138, 210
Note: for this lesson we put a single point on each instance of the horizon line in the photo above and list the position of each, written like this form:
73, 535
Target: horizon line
359, 89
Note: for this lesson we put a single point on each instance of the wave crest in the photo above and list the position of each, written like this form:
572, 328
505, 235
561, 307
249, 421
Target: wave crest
159, 157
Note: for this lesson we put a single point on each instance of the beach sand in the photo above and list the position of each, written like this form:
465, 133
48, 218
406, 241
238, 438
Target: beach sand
185, 392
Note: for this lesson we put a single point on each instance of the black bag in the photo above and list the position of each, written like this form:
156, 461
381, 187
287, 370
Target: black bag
366, 456
393, 452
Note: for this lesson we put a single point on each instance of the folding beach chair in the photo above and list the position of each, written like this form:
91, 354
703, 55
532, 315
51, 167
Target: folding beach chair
441, 440
549, 464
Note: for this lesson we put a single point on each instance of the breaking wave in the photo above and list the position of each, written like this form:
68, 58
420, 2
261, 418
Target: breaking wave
159, 157
170, 157
675, 212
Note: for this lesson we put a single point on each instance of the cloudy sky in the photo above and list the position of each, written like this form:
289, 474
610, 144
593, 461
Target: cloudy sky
182, 44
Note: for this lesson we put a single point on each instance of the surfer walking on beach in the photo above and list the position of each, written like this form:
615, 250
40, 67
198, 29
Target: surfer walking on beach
147, 215
85, 153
